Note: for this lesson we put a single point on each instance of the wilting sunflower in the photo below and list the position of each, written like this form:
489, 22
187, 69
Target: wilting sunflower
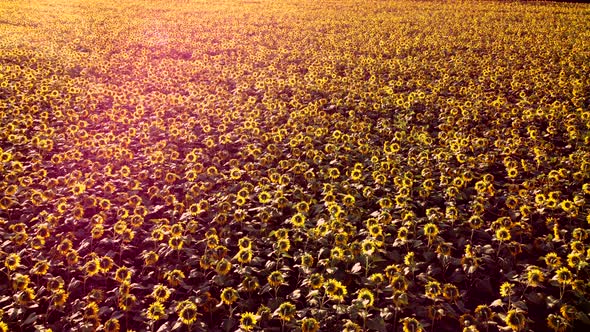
557, 323
411, 324
450, 292
516, 320
174, 277
112, 325
275, 279
20, 281
309, 325
126, 301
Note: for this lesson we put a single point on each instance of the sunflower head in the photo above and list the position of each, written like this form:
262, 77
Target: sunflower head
248, 321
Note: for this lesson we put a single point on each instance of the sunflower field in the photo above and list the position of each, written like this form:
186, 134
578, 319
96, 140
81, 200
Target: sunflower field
294, 165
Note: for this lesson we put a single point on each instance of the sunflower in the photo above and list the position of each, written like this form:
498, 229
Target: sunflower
112, 325
248, 321
399, 282
298, 220
564, 276
569, 312
59, 298
377, 278
174, 277
376, 231
249, 283
244, 256
512, 172
503, 234
336, 254
366, 297
175, 242
430, 230
368, 247
315, 281
161, 293
409, 259
309, 325
105, 264
574, 259
223, 267
72, 257
26, 296
450, 292
552, 260
511, 202
433, 289
20, 281
90, 310
37, 242
92, 267
275, 279
402, 233
245, 243
229, 295
150, 258
97, 231
283, 245
566, 205
55, 283
126, 301
516, 320
335, 290
506, 289
40, 268
188, 313
411, 324
95, 295
483, 313
557, 323
286, 311
156, 311
123, 274
119, 227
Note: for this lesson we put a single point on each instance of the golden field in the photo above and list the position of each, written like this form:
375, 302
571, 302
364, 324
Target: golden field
294, 166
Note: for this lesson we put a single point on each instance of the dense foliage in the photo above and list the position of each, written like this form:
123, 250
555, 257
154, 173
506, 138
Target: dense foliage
294, 165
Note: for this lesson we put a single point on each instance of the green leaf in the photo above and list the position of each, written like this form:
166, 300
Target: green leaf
31, 319
497, 303
228, 324
356, 268
295, 295
377, 324
584, 318
535, 297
